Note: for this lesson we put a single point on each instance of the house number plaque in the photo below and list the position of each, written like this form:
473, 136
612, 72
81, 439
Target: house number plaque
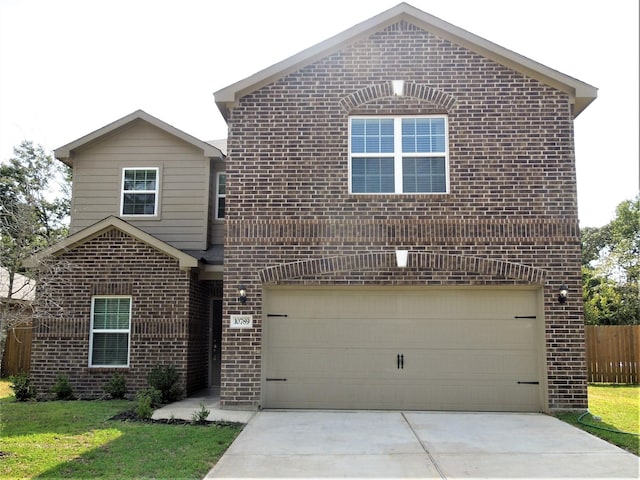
241, 321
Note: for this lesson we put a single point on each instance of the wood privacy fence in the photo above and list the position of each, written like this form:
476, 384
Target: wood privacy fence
17, 352
613, 353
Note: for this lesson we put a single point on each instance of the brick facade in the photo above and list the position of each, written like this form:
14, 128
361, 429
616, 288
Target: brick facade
166, 326
510, 217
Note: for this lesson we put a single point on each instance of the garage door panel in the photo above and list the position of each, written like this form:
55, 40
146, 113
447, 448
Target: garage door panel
462, 349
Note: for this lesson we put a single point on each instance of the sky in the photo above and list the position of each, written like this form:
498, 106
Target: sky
69, 67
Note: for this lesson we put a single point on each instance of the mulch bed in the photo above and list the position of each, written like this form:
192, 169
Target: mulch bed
130, 416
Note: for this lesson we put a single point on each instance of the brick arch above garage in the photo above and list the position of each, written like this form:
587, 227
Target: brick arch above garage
417, 261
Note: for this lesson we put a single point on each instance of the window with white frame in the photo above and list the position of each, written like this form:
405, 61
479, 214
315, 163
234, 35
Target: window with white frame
406, 154
221, 193
139, 191
110, 331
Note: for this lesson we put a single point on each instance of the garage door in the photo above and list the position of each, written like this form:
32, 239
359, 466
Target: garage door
395, 348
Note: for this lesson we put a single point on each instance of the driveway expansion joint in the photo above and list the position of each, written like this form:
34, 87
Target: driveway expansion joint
424, 447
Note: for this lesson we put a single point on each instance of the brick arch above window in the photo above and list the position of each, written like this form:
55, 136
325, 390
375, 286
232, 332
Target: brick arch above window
418, 260
418, 91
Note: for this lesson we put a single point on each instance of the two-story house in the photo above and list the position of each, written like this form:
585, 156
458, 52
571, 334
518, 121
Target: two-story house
400, 232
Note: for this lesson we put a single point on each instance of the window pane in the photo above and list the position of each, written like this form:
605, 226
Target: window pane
437, 126
222, 187
111, 313
221, 202
408, 144
386, 127
437, 144
372, 144
139, 204
372, 175
424, 175
110, 349
358, 166
139, 180
357, 144
423, 126
423, 135
371, 135
357, 126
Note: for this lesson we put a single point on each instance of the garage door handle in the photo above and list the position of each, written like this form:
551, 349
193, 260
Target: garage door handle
400, 361
528, 383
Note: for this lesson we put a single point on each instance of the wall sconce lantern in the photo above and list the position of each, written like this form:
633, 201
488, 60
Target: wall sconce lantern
563, 294
401, 258
397, 87
242, 298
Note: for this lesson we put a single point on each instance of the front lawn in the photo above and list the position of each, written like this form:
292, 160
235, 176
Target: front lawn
76, 439
618, 408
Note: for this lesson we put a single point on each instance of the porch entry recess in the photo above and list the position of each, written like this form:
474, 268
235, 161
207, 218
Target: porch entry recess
423, 348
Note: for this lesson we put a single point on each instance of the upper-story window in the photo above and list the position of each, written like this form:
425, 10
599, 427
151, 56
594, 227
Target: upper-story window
140, 191
221, 192
398, 154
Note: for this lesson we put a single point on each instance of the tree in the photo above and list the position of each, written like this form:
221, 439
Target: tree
611, 268
34, 210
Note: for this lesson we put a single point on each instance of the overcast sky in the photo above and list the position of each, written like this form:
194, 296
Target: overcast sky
69, 67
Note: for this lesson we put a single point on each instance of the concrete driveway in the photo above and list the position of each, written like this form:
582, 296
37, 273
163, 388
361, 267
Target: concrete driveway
323, 444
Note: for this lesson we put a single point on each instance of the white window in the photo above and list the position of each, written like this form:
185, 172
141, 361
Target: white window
139, 191
221, 194
398, 154
110, 331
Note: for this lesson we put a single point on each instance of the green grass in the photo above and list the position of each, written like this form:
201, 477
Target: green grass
77, 440
5, 389
618, 407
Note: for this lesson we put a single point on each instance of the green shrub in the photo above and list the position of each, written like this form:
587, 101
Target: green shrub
62, 388
200, 416
116, 387
22, 388
146, 401
165, 378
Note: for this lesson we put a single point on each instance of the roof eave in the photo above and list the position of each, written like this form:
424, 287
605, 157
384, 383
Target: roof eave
65, 153
185, 261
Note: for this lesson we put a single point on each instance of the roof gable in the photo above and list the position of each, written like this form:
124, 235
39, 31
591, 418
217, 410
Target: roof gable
582, 94
185, 261
65, 153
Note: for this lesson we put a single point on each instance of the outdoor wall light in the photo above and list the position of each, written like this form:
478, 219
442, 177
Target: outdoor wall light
401, 258
563, 294
398, 87
242, 298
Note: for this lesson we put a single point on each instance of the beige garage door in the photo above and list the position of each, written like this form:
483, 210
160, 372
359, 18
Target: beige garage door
396, 348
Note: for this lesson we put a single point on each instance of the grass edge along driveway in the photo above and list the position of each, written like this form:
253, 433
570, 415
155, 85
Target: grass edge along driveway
611, 407
76, 439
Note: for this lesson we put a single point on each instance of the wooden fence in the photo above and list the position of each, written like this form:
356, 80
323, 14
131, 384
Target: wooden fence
17, 352
613, 353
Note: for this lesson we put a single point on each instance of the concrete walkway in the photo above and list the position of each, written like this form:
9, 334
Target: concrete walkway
184, 409
437, 445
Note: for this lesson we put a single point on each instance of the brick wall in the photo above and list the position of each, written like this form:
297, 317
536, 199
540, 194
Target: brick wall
162, 315
512, 197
